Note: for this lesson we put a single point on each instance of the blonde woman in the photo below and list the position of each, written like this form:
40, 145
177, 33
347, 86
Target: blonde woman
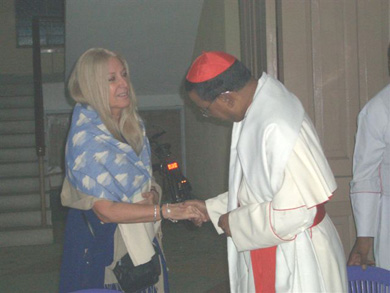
113, 200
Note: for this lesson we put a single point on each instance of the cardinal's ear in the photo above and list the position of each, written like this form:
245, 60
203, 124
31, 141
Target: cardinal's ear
229, 98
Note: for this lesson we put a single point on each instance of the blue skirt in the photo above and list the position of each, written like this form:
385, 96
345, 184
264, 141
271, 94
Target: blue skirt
85, 256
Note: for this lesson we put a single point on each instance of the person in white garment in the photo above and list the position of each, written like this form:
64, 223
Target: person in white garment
280, 238
370, 185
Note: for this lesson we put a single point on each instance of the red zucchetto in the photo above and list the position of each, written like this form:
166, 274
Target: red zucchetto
209, 65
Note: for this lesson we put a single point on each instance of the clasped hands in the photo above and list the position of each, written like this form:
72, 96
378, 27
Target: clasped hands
193, 210
200, 205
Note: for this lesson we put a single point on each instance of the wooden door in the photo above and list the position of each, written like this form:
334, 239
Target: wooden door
334, 60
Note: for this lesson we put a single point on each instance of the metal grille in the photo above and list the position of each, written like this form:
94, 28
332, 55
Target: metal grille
52, 32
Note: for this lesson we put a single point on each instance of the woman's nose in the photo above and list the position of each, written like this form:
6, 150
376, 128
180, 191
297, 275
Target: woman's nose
123, 81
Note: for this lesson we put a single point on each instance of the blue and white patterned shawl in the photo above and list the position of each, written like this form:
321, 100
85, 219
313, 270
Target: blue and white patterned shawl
97, 164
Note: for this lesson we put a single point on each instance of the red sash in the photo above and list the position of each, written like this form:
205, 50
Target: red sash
264, 261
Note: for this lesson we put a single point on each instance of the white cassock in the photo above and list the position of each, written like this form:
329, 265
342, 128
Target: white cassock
370, 186
278, 175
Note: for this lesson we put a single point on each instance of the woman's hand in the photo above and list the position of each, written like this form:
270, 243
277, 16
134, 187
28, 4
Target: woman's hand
201, 206
181, 211
151, 197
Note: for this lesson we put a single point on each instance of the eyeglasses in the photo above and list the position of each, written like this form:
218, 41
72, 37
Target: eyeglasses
206, 111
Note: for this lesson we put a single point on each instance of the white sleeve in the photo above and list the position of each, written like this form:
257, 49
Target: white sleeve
216, 207
308, 181
259, 225
366, 183
365, 210
369, 149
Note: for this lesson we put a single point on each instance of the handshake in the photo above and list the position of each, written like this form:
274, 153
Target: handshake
196, 212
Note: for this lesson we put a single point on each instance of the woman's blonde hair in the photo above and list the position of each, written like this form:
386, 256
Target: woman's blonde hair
88, 84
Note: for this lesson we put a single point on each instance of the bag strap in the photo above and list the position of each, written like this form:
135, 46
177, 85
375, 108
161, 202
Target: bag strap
88, 224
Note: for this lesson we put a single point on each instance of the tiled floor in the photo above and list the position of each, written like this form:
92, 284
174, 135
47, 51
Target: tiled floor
196, 260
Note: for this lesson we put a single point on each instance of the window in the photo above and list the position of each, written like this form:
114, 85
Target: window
51, 13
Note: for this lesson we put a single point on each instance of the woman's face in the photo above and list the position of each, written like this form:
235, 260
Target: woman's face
119, 87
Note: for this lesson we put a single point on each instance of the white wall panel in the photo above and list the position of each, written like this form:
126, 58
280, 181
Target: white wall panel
156, 37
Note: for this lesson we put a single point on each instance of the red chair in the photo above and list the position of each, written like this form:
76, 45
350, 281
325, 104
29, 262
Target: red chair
370, 280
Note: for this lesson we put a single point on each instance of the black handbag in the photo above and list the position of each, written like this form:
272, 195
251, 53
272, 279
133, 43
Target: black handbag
133, 278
